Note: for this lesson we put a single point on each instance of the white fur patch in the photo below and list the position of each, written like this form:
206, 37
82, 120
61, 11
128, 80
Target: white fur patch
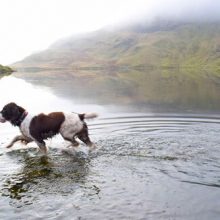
25, 126
2, 119
90, 115
71, 125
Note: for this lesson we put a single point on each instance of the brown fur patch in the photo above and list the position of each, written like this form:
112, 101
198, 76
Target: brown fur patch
45, 126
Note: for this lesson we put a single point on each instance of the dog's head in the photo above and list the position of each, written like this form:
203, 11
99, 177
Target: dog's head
12, 113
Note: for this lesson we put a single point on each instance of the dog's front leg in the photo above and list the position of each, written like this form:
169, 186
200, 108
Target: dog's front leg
42, 146
17, 138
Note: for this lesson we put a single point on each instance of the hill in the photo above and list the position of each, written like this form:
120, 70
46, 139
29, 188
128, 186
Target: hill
5, 69
161, 45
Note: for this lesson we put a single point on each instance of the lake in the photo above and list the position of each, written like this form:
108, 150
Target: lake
158, 147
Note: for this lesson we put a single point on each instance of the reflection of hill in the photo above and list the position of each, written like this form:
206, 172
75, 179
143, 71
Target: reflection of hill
167, 88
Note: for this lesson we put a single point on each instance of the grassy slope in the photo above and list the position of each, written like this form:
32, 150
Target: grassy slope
5, 69
186, 46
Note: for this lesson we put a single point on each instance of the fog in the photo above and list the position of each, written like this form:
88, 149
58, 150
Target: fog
28, 26
177, 10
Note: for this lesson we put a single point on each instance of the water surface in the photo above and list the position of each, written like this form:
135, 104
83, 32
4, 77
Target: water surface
148, 165
148, 89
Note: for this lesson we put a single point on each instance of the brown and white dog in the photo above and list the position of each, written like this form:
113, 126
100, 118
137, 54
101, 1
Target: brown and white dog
40, 127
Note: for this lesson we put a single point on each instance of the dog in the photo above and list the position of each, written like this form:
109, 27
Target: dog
40, 127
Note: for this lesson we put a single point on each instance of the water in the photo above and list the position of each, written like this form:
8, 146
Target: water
148, 165
147, 90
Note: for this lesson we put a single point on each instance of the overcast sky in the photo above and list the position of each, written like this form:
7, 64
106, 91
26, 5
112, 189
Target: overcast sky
27, 26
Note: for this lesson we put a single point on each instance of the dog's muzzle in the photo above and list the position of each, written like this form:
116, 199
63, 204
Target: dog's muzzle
2, 120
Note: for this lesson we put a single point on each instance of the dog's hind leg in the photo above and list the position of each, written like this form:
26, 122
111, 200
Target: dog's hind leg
72, 140
83, 135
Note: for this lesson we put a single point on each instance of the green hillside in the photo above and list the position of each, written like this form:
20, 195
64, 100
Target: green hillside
5, 70
177, 46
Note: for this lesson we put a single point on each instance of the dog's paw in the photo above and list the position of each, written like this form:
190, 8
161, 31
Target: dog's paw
92, 147
25, 142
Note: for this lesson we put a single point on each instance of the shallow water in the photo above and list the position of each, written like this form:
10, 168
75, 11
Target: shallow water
147, 166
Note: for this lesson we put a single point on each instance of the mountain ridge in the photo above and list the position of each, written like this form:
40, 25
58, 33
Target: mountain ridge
162, 45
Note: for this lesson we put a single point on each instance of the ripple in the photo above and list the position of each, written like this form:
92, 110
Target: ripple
153, 161
186, 145
149, 123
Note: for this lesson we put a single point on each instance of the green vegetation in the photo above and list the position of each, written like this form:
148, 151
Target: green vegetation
191, 46
5, 69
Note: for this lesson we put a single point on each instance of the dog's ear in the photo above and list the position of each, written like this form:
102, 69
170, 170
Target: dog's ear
15, 111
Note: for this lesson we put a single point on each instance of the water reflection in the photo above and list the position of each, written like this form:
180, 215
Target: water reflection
53, 174
148, 165
38, 99
170, 89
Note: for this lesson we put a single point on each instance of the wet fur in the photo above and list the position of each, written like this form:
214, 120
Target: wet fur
43, 126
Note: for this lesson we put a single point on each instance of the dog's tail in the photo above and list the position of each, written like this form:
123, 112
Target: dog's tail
88, 115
